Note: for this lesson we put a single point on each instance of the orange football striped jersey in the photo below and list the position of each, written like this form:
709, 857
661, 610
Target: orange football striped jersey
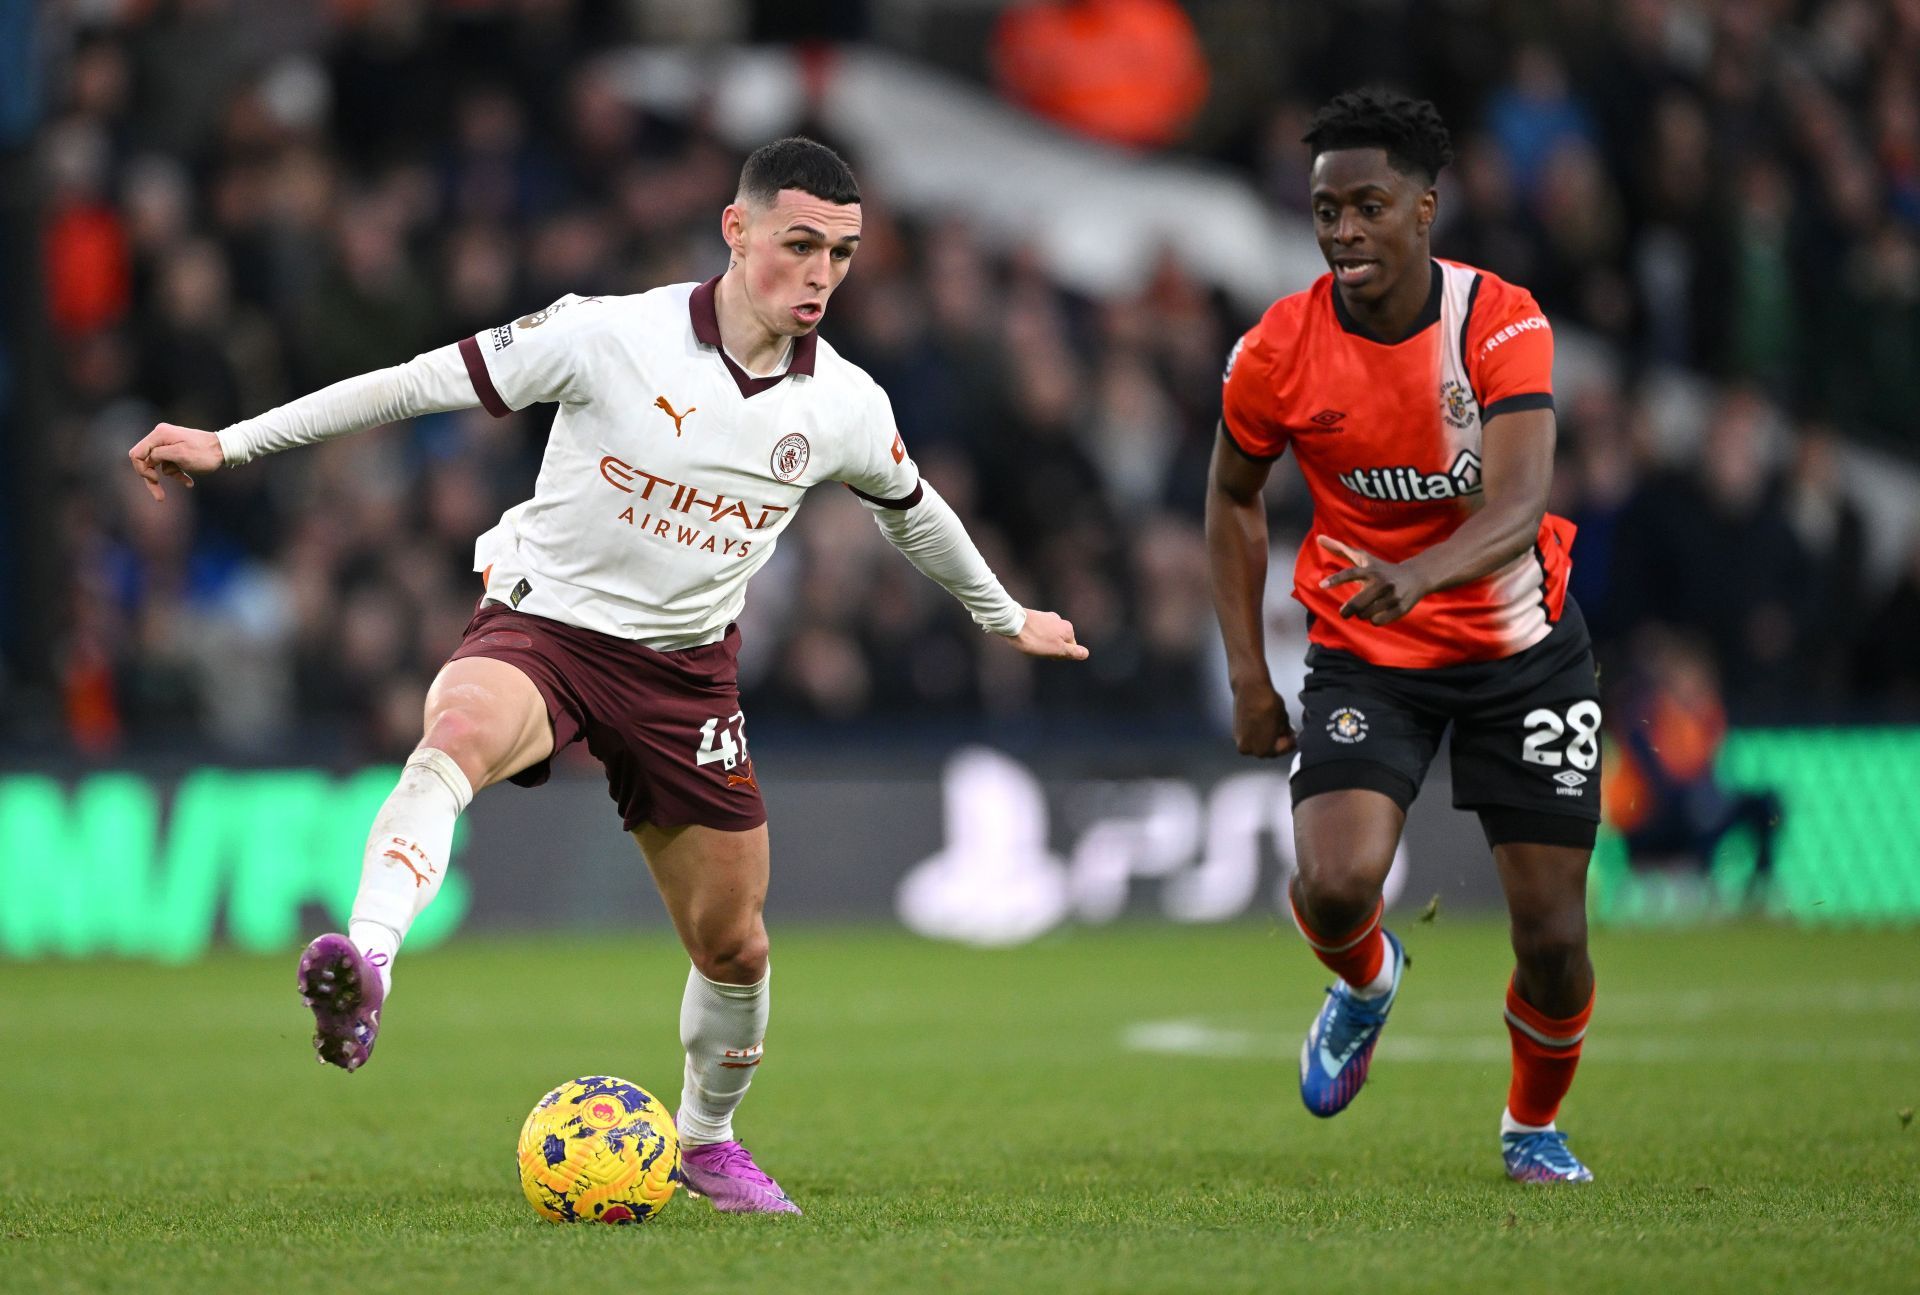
1388, 438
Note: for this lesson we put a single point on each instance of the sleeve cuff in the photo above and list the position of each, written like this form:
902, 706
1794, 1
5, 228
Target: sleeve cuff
482, 380
234, 449
1233, 438
901, 504
1517, 405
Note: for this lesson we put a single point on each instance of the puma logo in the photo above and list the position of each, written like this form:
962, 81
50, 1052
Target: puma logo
660, 403
397, 857
735, 780
419, 878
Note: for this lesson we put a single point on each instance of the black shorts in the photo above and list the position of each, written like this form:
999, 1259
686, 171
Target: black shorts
1526, 734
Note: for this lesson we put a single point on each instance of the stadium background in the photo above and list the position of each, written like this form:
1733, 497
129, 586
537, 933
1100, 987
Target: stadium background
210, 206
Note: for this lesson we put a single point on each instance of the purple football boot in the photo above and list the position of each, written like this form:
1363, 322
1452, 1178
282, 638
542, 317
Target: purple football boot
345, 993
725, 1174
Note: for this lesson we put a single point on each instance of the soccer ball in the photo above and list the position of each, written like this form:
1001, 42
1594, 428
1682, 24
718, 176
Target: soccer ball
599, 1150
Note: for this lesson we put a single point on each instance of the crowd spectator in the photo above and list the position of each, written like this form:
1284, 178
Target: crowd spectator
319, 200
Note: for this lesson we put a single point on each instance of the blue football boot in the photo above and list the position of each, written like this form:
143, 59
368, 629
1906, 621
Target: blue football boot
1542, 1158
1339, 1047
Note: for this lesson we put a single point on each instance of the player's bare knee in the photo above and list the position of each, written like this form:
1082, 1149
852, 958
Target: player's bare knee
733, 958
1337, 896
470, 738
1551, 948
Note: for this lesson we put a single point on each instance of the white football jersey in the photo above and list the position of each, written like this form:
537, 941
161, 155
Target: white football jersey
670, 473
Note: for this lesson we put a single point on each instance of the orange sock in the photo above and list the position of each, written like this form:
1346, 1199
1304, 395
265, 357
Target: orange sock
1355, 957
1545, 1054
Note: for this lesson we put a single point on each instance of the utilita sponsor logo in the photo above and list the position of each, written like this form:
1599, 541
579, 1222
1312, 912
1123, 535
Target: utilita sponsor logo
1409, 485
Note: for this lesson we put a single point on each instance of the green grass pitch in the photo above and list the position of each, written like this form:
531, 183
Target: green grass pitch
1109, 1110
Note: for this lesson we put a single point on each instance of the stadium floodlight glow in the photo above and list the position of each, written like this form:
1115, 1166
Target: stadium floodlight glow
97, 868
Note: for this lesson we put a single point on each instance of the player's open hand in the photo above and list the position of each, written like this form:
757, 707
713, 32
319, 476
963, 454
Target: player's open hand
1048, 635
1260, 726
176, 452
1388, 590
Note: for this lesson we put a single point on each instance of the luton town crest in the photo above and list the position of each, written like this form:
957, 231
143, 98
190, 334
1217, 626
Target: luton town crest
1347, 725
1457, 402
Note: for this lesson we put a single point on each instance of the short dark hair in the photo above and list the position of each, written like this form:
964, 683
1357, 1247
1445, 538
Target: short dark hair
797, 162
1410, 130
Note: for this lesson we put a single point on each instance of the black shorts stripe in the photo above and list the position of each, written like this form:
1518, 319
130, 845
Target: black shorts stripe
1355, 775
1505, 825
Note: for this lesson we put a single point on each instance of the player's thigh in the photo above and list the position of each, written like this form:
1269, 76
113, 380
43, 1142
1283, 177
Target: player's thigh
1364, 749
1344, 843
489, 716
1527, 758
714, 884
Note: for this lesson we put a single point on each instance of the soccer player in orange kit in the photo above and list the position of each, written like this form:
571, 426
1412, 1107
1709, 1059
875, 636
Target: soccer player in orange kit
1417, 397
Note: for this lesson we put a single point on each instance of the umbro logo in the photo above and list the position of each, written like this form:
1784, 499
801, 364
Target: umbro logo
1329, 420
1570, 778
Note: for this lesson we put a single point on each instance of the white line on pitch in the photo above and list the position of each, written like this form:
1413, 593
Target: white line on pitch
1197, 1038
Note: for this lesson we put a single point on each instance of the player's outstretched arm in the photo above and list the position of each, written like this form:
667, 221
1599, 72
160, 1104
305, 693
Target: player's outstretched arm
427, 384
932, 537
1237, 562
178, 452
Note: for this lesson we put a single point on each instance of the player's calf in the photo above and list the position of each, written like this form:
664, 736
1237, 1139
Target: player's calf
1546, 1053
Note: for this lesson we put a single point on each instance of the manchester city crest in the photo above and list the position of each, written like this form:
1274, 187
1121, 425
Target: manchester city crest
790, 456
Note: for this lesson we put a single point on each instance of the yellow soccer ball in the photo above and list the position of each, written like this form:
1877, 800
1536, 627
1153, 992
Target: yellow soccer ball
599, 1150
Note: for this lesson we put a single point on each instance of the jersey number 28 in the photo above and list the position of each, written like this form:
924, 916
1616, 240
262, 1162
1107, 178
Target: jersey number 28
1545, 727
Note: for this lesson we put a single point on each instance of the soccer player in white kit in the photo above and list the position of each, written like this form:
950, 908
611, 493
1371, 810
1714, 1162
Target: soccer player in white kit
693, 419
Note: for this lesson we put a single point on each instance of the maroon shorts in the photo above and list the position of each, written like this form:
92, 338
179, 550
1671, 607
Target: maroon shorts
666, 726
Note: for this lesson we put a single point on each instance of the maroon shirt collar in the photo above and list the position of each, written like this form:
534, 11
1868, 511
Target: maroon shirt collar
706, 330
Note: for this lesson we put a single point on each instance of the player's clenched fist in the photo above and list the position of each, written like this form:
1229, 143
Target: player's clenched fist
1048, 635
173, 451
1260, 726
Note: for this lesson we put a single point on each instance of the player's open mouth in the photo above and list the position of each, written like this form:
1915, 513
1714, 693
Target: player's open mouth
809, 313
1351, 272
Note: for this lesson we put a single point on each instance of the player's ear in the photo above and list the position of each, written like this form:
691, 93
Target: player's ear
733, 228
1427, 208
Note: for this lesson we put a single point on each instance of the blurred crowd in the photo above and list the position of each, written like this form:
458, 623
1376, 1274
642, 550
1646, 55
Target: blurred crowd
243, 209
1732, 186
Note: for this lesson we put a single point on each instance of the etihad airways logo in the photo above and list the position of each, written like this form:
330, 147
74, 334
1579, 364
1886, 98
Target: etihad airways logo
718, 508
1407, 485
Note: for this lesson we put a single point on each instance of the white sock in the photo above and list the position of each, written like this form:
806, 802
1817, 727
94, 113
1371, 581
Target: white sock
722, 1027
1510, 1125
406, 856
379, 942
1382, 981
